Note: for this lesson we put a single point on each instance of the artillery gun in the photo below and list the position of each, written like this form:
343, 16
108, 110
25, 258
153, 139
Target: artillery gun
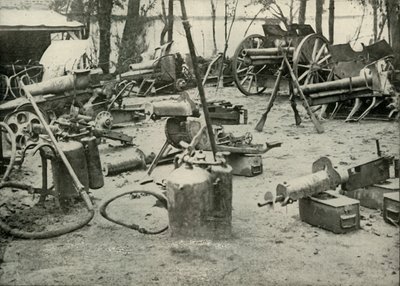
331, 77
257, 58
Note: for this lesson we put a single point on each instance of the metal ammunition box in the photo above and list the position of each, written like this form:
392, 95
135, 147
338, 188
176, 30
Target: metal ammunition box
245, 165
372, 196
331, 211
391, 208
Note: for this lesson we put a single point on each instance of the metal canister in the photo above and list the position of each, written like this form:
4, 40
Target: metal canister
188, 196
96, 179
220, 214
63, 183
135, 161
200, 200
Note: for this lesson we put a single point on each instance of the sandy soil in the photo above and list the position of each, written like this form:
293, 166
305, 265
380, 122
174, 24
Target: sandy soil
269, 246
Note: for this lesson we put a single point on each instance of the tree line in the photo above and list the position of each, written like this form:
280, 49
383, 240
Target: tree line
132, 42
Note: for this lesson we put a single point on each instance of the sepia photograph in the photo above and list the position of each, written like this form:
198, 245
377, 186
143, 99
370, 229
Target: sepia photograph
200, 142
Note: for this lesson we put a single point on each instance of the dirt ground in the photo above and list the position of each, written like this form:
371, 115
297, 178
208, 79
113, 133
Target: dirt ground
268, 247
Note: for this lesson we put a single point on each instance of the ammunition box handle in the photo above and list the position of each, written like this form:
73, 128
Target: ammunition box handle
393, 211
390, 212
256, 170
348, 221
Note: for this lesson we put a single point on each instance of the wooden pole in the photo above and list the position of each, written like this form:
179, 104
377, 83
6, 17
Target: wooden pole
200, 87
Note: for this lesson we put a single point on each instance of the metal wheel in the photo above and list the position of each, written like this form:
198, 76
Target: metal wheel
103, 120
312, 61
245, 75
19, 122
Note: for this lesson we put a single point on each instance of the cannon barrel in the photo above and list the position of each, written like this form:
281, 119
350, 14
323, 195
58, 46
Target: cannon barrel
142, 66
77, 80
344, 83
266, 51
262, 60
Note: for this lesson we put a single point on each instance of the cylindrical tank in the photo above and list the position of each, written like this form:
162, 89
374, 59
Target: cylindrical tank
63, 184
220, 218
96, 179
200, 201
136, 161
188, 196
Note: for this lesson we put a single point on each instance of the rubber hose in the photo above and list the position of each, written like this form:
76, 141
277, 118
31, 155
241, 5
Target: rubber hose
13, 151
103, 212
41, 234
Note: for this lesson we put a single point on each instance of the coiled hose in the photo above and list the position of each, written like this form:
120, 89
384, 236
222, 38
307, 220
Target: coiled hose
103, 212
13, 150
40, 234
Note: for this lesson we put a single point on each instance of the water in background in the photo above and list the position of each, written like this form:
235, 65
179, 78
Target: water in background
349, 22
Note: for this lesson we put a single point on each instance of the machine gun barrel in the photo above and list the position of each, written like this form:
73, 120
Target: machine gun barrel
323, 178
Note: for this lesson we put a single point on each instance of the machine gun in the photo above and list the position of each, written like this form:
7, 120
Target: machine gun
325, 177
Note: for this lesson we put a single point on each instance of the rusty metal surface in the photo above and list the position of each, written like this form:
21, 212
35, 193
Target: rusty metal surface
369, 173
391, 208
96, 179
372, 196
245, 165
63, 182
225, 113
331, 211
323, 178
77, 80
294, 33
182, 107
136, 161
200, 198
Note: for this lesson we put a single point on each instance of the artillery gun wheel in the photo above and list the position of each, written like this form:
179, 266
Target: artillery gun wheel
312, 62
19, 122
245, 75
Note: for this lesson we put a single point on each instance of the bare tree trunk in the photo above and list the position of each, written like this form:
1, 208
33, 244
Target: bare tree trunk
375, 15
226, 21
318, 15
213, 17
165, 21
104, 10
88, 14
291, 12
170, 20
302, 11
393, 15
130, 32
331, 21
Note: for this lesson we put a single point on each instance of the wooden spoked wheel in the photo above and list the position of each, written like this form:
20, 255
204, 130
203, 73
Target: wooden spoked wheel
312, 62
246, 75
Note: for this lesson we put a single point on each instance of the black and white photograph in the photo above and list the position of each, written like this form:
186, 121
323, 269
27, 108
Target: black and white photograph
199, 142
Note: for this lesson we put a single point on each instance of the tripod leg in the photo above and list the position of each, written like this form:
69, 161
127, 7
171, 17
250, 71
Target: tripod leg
157, 158
317, 124
292, 100
260, 125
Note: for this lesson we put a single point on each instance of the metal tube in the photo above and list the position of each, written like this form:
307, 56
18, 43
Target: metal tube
266, 51
78, 186
78, 80
345, 83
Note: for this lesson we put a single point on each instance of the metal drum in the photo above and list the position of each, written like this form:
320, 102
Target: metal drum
200, 200
63, 183
96, 179
220, 215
